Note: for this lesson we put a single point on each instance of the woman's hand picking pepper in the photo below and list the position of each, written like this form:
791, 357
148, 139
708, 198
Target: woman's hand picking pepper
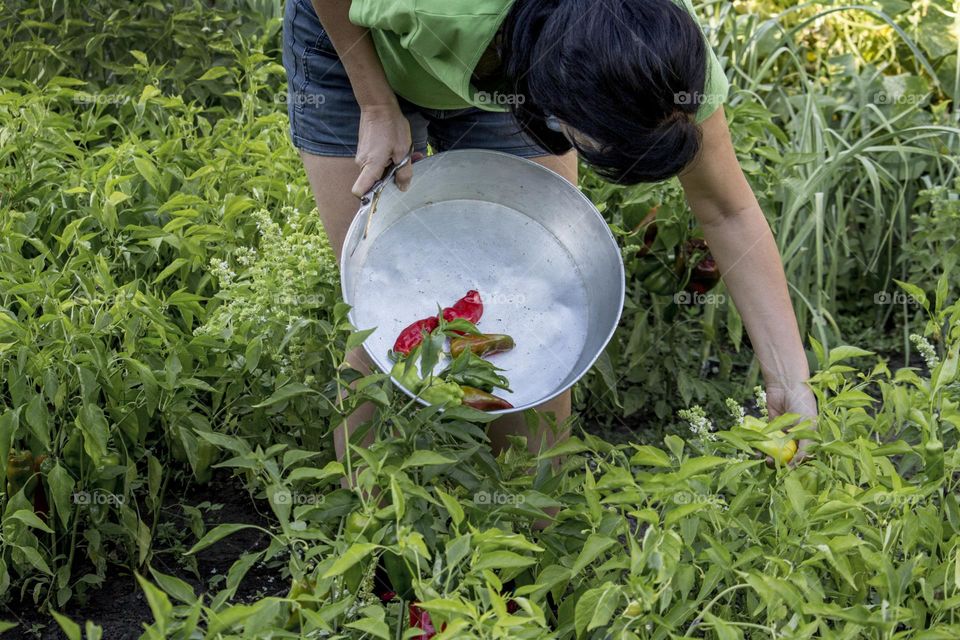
484, 344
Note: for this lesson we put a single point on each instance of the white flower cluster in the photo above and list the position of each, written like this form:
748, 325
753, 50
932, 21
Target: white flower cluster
700, 424
926, 350
270, 289
736, 411
761, 397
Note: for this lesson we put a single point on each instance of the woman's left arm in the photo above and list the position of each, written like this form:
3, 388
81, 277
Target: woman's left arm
742, 244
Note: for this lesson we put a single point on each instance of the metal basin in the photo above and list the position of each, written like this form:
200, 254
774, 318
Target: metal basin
540, 254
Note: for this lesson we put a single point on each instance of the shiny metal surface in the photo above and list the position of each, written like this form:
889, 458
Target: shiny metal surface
543, 259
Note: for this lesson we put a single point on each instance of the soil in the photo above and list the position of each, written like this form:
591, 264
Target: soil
119, 606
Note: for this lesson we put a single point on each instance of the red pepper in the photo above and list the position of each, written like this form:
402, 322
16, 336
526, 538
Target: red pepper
469, 307
420, 619
412, 336
705, 274
480, 399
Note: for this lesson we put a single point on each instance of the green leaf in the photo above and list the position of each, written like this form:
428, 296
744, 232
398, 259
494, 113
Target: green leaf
452, 505
93, 425
34, 558
423, 458
286, 392
332, 469
213, 73
502, 560
174, 586
356, 338
569, 446
251, 355
70, 628
217, 533
946, 371
171, 269
595, 608
30, 519
592, 548
61, 489
148, 171
845, 352
157, 600
353, 555
648, 456
372, 626
449, 607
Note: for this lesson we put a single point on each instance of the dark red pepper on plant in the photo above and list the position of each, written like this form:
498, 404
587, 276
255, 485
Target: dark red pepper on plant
479, 399
649, 226
705, 274
420, 619
411, 337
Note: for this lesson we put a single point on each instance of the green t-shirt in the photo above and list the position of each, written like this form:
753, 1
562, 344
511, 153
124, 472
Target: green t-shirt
429, 49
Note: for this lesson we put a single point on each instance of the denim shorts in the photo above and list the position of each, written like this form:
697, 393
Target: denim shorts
325, 116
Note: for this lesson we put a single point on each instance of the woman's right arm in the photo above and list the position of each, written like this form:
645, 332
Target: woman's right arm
384, 131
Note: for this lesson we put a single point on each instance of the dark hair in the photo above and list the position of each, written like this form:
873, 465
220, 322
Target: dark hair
628, 74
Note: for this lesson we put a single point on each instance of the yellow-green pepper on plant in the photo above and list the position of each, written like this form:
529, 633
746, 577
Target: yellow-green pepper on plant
438, 392
19, 470
778, 446
407, 376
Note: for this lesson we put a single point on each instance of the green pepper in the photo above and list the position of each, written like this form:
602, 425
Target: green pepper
471, 370
105, 477
72, 452
19, 470
400, 577
479, 399
304, 595
206, 456
662, 281
483, 344
408, 377
439, 392
358, 524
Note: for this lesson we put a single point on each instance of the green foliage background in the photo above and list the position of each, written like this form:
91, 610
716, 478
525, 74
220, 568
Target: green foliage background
168, 302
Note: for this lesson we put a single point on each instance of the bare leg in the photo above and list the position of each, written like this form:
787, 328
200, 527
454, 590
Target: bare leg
514, 424
331, 180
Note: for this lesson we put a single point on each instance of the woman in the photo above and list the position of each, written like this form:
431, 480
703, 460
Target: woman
629, 85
